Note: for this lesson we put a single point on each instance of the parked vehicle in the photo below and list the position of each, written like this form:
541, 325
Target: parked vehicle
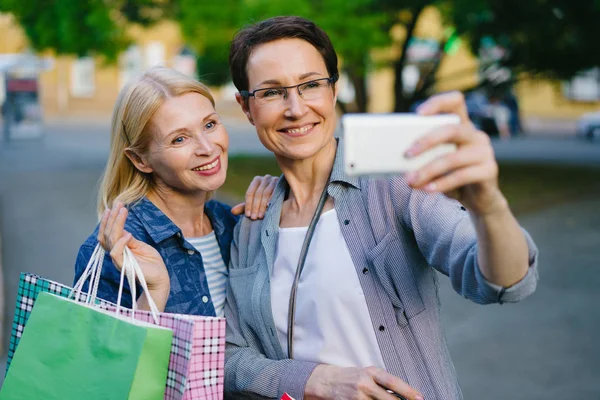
588, 126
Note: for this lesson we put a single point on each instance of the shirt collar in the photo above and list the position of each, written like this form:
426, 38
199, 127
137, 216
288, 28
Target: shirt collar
338, 174
156, 223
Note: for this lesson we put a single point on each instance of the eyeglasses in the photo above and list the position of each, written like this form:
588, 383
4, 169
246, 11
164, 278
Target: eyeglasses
311, 90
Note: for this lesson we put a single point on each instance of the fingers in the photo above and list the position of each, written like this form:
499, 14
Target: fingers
260, 199
250, 194
112, 226
393, 383
116, 253
460, 135
444, 103
238, 209
462, 177
465, 157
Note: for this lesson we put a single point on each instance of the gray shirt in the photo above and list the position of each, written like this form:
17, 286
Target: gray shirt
397, 238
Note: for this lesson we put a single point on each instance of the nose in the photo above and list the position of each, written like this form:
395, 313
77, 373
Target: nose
203, 145
295, 106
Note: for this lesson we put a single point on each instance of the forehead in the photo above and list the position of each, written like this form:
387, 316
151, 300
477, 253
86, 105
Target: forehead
284, 60
180, 111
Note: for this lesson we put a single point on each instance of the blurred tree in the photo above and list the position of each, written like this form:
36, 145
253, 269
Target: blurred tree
69, 27
552, 38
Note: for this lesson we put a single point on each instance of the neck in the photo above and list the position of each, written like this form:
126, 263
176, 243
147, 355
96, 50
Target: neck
308, 177
186, 211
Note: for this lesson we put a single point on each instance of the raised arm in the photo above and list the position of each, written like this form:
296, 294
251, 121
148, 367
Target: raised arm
470, 175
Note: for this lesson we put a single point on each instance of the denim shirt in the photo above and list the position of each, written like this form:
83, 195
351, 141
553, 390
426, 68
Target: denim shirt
189, 288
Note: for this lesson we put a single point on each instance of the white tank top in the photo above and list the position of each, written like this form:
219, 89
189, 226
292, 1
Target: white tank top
332, 323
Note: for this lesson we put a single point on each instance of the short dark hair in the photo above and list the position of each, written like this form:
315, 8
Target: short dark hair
285, 27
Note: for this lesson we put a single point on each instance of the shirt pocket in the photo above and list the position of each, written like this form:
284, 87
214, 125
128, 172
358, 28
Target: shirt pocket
391, 265
242, 282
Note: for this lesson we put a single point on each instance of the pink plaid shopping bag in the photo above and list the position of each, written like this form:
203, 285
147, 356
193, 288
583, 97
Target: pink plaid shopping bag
200, 369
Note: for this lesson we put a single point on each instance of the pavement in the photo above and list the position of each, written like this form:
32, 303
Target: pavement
543, 347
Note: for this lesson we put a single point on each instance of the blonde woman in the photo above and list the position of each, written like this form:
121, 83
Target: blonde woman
168, 155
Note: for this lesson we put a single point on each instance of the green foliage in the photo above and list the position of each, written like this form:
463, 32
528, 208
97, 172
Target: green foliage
352, 25
69, 26
554, 38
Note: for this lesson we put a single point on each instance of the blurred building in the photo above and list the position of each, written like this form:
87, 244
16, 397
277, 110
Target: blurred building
85, 87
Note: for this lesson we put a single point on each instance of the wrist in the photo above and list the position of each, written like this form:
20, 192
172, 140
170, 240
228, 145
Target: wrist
316, 387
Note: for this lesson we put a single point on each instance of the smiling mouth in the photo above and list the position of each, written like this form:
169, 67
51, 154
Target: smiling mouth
299, 131
206, 167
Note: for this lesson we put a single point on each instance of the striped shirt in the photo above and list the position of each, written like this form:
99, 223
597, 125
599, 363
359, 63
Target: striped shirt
214, 268
398, 238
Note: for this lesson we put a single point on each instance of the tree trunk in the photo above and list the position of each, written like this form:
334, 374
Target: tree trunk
359, 81
402, 104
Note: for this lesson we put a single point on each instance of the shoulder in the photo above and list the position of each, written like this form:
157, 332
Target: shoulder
218, 211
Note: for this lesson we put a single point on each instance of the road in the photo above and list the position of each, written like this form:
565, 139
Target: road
544, 347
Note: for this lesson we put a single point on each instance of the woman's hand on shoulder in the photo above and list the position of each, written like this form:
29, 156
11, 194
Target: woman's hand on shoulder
469, 175
258, 195
113, 237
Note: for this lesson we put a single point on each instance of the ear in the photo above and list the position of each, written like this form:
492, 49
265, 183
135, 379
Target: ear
243, 102
140, 162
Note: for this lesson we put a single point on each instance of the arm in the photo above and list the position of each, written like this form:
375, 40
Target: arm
470, 175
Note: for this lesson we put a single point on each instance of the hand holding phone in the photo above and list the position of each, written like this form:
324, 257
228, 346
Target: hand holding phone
375, 144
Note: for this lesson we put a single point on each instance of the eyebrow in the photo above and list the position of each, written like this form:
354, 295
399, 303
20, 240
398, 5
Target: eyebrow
180, 130
301, 77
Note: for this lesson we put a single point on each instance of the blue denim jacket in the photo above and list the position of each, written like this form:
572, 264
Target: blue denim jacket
189, 287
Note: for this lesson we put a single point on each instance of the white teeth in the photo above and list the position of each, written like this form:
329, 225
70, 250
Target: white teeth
207, 167
300, 130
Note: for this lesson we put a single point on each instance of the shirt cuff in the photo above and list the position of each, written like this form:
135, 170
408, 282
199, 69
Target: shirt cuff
520, 290
295, 377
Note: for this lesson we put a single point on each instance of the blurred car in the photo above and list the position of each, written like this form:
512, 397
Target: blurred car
588, 126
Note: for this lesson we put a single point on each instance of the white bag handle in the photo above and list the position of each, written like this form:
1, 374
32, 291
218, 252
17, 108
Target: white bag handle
130, 268
92, 271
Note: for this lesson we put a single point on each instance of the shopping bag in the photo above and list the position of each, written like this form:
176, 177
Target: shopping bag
71, 350
197, 361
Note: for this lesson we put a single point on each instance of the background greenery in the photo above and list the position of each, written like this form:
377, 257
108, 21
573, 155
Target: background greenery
553, 38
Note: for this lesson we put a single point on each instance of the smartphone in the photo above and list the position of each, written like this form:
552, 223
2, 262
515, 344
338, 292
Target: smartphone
374, 144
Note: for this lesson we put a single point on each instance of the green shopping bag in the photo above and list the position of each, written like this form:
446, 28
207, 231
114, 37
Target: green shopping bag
71, 350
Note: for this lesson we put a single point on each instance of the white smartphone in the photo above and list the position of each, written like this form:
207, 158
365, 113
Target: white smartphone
374, 144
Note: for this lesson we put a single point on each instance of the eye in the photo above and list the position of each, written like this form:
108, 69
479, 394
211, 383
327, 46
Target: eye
272, 93
178, 140
312, 84
210, 125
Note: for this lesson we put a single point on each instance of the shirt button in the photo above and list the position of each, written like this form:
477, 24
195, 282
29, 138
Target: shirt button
178, 234
205, 299
381, 328
365, 271
191, 252
346, 222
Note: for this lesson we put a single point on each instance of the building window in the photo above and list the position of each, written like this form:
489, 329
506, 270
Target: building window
584, 87
131, 64
154, 54
83, 77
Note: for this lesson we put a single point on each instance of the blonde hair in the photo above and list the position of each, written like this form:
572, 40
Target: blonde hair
136, 104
